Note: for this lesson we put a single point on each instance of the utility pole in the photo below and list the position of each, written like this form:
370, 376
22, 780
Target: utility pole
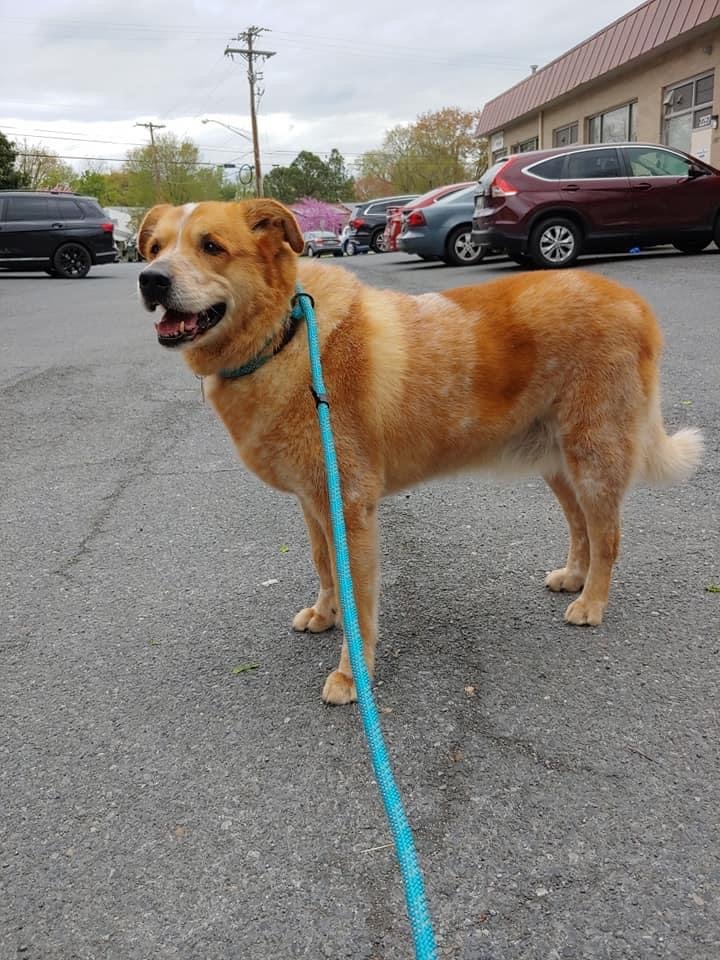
249, 53
152, 127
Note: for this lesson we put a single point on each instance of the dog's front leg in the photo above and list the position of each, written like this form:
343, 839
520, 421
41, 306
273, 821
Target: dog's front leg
325, 612
362, 535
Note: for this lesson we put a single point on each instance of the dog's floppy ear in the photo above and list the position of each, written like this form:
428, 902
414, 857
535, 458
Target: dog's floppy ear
147, 226
270, 215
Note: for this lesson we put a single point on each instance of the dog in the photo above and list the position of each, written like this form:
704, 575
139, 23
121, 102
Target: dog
545, 372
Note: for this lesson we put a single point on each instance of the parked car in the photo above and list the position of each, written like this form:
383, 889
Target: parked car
392, 228
62, 234
549, 206
443, 231
395, 215
351, 247
320, 242
129, 251
367, 222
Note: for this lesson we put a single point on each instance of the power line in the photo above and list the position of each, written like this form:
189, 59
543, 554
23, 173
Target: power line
58, 156
192, 30
417, 161
207, 93
113, 143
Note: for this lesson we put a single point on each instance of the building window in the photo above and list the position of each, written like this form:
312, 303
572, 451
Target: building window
688, 107
564, 136
614, 126
526, 145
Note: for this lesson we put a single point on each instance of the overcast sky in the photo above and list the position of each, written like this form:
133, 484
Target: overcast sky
78, 75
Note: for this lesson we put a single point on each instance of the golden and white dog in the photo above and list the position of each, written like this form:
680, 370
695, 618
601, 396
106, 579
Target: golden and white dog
548, 372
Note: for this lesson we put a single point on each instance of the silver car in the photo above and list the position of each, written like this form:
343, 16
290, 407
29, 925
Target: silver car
443, 231
319, 242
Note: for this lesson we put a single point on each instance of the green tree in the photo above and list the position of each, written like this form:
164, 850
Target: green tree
10, 176
370, 186
281, 183
41, 168
438, 148
98, 184
170, 172
310, 176
340, 183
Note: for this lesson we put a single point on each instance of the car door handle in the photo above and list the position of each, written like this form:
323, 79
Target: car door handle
57, 226
571, 187
642, 186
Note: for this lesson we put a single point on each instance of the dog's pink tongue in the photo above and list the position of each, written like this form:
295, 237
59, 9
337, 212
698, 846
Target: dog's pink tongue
174, 324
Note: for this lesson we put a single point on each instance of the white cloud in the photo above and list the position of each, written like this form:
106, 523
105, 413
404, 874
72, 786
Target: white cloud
76, 75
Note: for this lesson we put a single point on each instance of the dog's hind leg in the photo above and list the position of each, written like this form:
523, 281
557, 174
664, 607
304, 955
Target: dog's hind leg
325, 612
571, 577
600, 473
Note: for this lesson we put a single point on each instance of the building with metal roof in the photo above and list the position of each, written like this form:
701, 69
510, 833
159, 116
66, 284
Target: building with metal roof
652, 75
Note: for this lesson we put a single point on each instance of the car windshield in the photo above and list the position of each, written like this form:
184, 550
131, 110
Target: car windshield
431, 195
460, 195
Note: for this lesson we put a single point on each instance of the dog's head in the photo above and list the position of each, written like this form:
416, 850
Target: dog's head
217, 270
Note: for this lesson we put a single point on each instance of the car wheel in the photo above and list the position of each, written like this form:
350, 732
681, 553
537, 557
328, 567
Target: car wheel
72, 261
460, 249
691, 246
311, 252
377, 242
555, 243
350, 248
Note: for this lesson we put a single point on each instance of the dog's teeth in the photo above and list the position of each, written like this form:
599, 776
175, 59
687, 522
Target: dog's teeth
182, 326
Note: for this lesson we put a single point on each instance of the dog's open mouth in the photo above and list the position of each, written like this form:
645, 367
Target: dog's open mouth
176, 328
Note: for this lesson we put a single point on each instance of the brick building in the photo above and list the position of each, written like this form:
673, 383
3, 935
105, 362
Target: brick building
653, 76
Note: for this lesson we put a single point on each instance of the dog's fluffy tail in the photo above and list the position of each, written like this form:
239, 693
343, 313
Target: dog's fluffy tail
670, 459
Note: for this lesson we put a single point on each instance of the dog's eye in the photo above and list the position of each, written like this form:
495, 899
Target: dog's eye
209, 246
154, 249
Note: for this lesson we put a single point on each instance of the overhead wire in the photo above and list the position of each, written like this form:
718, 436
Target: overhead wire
341, 44
330, 43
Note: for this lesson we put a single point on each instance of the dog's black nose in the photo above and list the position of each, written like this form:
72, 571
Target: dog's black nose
155, 283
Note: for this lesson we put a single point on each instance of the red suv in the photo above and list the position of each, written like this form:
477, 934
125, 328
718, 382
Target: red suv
549, 206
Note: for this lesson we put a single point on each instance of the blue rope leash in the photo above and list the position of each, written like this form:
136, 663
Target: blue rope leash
415, 899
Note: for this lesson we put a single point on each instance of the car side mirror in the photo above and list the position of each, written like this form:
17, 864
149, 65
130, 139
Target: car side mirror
694, 172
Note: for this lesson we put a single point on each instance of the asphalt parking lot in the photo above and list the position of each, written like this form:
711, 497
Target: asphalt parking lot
171, 785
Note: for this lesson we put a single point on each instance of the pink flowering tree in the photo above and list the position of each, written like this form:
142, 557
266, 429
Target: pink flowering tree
318, 215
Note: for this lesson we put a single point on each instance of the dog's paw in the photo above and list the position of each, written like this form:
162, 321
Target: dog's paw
339, 689
563, 580
314, 620
585, 612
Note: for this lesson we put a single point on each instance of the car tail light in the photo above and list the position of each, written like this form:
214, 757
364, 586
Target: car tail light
501, 186
356, 224
416, 219
107, 227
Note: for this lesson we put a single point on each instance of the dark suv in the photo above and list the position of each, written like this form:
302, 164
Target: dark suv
549, 206
367, 223
59, 233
